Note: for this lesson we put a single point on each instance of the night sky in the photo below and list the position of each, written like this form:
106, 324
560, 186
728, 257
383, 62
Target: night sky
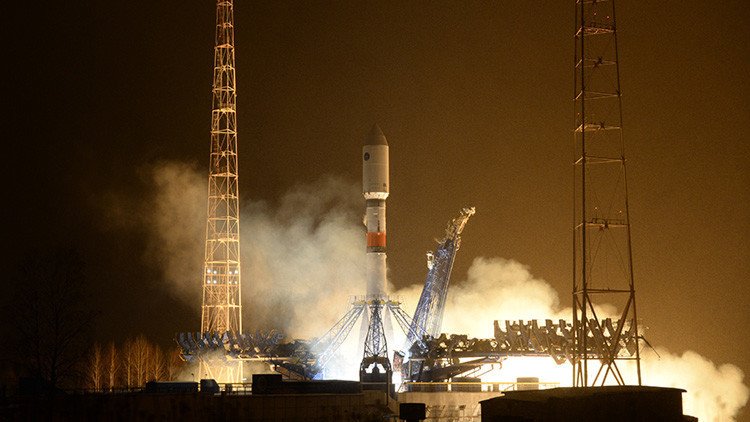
474, 98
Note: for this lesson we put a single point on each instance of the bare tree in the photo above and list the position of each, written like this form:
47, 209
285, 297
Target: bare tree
113, 365
96, 368
138, 355
175, 363
127, 354
156, 363
52, 319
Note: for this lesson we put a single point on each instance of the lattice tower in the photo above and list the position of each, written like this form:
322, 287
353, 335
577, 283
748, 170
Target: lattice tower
376, 345
602, 253
222, 309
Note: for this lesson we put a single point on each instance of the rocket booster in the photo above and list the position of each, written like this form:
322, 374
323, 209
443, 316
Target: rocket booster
375, 190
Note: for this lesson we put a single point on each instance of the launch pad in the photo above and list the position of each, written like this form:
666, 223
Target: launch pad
222, 348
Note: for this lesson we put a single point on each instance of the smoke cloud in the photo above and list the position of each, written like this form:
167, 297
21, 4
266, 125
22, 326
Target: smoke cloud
302, 260
303, 257
714, 392
502, 289
175, 217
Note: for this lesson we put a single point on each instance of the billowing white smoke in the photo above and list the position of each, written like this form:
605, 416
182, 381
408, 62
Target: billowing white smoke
175, 218
714, 392
497, 288
501, 289
302, 258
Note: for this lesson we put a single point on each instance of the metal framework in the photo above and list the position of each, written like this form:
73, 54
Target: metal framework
222, 309
315, 357
428, 315
602, 256
435, 359
327, 345
376, 345
259, 345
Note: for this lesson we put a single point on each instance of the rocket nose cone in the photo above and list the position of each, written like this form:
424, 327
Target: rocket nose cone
375, 137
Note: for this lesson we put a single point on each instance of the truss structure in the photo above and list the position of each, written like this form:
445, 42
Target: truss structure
221, 356
259, 345
311, 360
602, 258
436, 359
428, 315
326, 346
221, 311
376, 345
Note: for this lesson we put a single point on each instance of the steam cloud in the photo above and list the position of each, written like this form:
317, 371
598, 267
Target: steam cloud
714, 392
504, 289
302, 258
175, 217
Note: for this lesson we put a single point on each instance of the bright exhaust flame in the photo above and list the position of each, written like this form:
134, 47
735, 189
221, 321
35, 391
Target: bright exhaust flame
543, 368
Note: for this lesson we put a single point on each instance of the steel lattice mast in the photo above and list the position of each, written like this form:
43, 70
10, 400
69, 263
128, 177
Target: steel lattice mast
222, 309
602, 258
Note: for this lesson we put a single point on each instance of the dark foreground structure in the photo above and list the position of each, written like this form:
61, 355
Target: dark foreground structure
270, 400
605, 404
200, 407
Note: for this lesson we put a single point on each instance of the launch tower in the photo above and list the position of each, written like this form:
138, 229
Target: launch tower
222, 307
602, 258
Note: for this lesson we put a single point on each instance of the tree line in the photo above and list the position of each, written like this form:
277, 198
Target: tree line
130, 365
48, 333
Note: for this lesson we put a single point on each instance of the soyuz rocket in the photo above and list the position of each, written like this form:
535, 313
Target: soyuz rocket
375, 190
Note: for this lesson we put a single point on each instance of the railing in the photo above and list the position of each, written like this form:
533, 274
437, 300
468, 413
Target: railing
224, 389
463, 386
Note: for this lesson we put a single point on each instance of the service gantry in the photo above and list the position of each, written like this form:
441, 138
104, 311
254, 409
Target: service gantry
428, 315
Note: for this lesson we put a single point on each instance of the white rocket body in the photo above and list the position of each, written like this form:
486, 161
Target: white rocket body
375, 187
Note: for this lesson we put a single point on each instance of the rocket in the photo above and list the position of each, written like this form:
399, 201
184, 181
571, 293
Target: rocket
375, 190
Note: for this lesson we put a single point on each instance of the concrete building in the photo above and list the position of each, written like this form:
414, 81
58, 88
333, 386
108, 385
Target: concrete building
593, 404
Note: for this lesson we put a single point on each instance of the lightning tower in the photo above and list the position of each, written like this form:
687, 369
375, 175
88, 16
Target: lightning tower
602, 254
222, 308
